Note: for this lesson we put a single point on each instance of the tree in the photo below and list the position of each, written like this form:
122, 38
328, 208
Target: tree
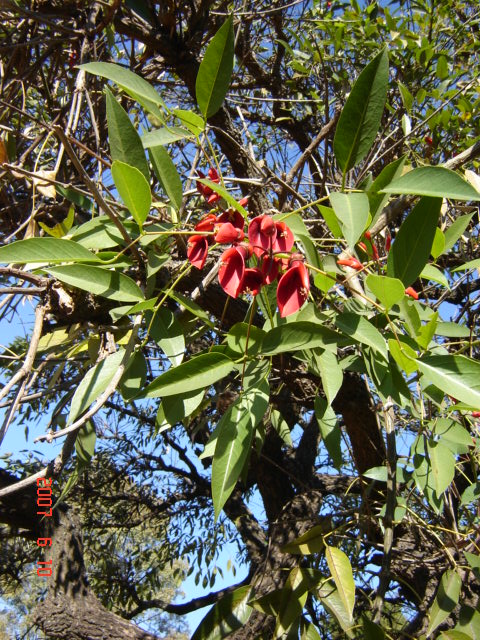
244, 229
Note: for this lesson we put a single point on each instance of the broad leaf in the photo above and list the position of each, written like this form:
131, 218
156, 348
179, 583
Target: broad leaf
456, 230
61, 228
388, 291
378, 200
436, 182
329, 430
49, 250
361, 330
325, 365
411, 250
472, 264
234, 440
100, 282
310, 542
429, 272
457, 376
298, 335
85, 444
372, 631
227, 615
215, 72
167, 175
167, 332
134, 377
125, 143
177, 408
94, 384
281, 427
237, 338
197, 373
352, 210
166, 135
341, 571
443, 465
133, 189
446, 599
362, 114
331, 600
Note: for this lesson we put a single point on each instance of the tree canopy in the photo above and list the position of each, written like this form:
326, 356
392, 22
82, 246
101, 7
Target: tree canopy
248, 234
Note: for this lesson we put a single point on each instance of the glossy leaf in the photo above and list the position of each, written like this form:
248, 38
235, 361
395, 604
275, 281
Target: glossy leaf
100, 282
411, 250
435, 182
191, 120
298, 335
167, 175
457, 376
214, 74
443, 465
361, 116
94, 383
125, 143
167, 332
403, 355
329, 430
292, 601
352, 211
456, 230
310, 542
234, 441
446, 599
372, 631
361, 330
85, 444
388, 291
197, 373
325, 365
133, 189
177, 408
281, 427
331, 600
376, 199
341, 571
228, 614
134, 377
49, 250
99, 233
237, 338
429, 272
166, 135
471, 264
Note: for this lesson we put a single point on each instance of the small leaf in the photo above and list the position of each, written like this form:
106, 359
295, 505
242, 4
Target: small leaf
472, 264
167, 175
410, 251
388, 291
177, 408
352, 210
438, 245
134, 190
341, 571
94, 384
378, 200
430, 272
49, 250
125, 143
100, 282
197, 373
404, 356
134, 377
457, 376
325, 365
227, 615
362, 114
435, 182
446, 599
214, 74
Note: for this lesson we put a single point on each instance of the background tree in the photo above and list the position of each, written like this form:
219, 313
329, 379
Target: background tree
323, 371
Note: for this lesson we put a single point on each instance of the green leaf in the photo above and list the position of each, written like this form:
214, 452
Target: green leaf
99, 233
281, 427
234, 441
61, 228
197, 373
430, 272
453, 435
456, 230
361, 330
100, 282
132, 84
472, 264
443, 465
215, 72
376, 199
446, 599
298, 335
292, 601
436, 182
134, 377
329, 430
237, 338
407, 97
167, 332
165, 135
330, 218
85, 444
73, 196
225, 195
457, 376
352, 210
167, 175
452, 330
410, 251
125, 143
227, 615
191, 120
388, 291
177, 408
310, 542
372, 631
438, 245
451, 634
404, 356
325, 365
331, 600
427, 331
362, 114
341, 571
94, 384
50, 250
133, 189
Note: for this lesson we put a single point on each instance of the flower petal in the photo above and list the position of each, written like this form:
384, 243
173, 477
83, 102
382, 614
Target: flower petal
197, 251
230, 274
293, 289
252, 281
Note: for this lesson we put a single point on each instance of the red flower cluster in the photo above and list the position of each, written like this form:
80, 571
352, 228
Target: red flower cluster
246, 266
210, 196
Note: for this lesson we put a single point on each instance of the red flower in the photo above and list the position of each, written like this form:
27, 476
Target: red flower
213, 175
293, 289
269, 268
353, 263
261, 233
429, 140
227, 234
410, 291
207, 223
388, 243
244, 201
252, 281
284, 240
232, 216
475, 414
215, 197
197, 250
232, 268
203, 189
